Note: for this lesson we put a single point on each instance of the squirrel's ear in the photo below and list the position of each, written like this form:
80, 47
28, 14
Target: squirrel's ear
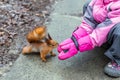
49, 36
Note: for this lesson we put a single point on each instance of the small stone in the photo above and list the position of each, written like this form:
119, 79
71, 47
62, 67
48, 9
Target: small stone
1, 33
10, 63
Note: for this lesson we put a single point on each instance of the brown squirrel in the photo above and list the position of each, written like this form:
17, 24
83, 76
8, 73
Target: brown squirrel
37, 34
36, 45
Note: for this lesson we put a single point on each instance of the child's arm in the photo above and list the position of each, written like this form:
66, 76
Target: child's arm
99, 11
87, 35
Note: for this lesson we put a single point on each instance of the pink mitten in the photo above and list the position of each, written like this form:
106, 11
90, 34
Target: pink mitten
70, 46
65, 42
66, 49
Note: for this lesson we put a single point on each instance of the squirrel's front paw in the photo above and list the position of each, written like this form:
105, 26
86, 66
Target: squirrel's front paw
44, 60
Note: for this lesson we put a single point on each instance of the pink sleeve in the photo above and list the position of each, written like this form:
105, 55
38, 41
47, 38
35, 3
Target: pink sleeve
99, 11
99, 35
115, 6
96, 38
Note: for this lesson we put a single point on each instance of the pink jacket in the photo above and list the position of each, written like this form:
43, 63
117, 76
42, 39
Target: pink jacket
99, 18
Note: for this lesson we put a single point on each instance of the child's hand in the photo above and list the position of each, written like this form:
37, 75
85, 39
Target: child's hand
65, 42
66, 49
78, 42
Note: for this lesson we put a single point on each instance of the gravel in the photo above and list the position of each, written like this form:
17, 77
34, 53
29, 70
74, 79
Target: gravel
17, 18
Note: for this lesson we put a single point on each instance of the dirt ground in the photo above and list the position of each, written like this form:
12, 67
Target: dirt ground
17, 18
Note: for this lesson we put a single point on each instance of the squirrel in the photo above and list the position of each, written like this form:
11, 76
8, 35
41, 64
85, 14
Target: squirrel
43, 47
37, 44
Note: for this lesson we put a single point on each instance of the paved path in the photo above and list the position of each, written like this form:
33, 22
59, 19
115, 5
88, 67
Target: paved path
84, 66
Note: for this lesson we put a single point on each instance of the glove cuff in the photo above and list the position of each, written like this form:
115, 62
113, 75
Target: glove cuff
79, 32
75, 42
83, 44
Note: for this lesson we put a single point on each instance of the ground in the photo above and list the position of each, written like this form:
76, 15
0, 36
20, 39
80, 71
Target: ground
89, 65
17, 18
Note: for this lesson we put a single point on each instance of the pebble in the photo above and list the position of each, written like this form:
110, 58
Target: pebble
10, 63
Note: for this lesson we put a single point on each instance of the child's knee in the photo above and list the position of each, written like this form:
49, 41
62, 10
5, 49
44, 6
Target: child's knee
116, 30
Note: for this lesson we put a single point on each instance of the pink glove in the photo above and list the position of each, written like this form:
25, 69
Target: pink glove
70, 47
66, 49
